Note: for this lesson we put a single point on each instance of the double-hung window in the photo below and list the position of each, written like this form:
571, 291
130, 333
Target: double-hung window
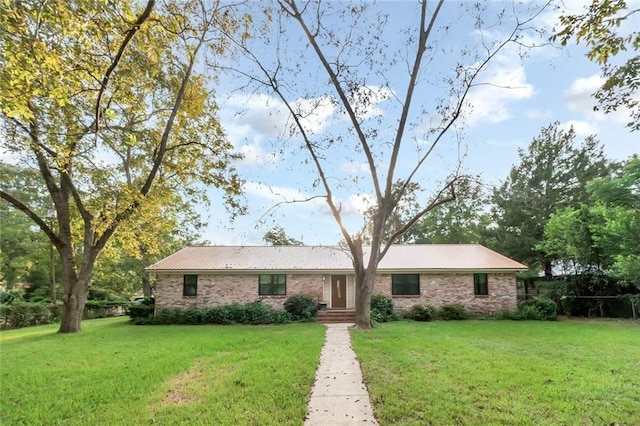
190, 285
480, 285
405, 284
272, 285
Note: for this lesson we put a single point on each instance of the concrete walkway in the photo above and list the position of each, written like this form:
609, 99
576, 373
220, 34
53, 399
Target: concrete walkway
339, 396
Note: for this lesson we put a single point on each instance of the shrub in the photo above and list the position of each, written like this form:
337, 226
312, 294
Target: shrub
24, 314
169, 316
538, 308
105, 295
250, 313
301, 307
10, 296
421, 313
382, 308
141, 313
453, 311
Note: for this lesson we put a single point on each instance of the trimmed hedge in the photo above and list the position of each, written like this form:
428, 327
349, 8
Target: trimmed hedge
25, 314
249, 313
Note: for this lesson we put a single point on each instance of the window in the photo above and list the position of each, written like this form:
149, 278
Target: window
480, 286
190, 285
272, 285
405, 284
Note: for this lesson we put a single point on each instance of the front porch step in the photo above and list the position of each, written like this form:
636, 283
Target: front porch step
334, 317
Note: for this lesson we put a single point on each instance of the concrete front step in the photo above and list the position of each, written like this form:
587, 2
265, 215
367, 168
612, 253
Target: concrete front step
334, 317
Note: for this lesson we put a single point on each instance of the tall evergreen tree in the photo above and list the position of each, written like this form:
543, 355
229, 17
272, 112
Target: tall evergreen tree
552, 174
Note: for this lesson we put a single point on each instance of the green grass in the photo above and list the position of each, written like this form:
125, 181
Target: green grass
115, 373
502, 372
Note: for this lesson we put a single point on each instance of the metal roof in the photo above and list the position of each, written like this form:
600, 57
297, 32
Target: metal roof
410, 257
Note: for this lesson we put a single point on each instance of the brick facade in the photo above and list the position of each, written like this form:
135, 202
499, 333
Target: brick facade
439, 289
217, 290
435, 289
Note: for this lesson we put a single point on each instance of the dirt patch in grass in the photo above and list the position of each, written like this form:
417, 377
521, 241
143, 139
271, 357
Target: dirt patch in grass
178, 392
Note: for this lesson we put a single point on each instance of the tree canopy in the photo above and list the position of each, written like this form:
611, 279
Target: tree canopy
105, 102
610, 30
552, 174
277, 236
322, 56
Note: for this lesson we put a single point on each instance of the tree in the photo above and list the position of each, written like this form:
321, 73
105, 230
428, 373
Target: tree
569, 238
278, 237
462, 221
23, 248
603, 28
616, 199
347, 50
164, 228
104, 101
552, 175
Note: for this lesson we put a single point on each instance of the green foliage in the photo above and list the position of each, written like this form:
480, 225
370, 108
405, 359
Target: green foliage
249, 313
105, 295
10, 296
24, 249
601, 235
302, 307
104, 309
459, 222
453, 311
538, 308
121, 138
552, 175
382, 308
609, 28
421, 312
140, 313
278, 237
25, 314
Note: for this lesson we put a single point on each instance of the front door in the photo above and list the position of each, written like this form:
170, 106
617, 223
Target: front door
338, 291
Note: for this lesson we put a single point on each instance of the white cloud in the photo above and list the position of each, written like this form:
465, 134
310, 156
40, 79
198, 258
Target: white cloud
356, 204
355, 169
268, 116
579, 98
537, 113
582, 128
255, 155
503, 83
274, 193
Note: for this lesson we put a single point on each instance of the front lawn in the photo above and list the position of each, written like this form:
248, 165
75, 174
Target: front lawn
114, 373
502, 372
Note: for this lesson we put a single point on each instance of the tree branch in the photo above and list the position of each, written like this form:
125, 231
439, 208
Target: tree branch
105, 79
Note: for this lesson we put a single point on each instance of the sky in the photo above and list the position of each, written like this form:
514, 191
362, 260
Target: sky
513, 98
516, 98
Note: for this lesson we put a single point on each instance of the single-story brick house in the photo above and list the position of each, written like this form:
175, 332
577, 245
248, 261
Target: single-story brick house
481, 279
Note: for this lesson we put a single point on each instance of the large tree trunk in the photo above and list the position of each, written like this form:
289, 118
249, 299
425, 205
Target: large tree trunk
73, 302
75, 290
364, 290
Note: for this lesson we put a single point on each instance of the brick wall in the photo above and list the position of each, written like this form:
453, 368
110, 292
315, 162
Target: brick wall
438, 289
216, 290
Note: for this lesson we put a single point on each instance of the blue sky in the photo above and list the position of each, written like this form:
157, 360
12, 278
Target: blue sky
550, 84
516, 97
